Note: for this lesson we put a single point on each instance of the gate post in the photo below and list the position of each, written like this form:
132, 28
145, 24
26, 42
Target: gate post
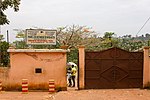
0, 86
146, 69
81, 66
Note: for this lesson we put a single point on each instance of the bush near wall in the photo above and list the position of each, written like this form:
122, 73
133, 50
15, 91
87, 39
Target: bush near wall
4, 55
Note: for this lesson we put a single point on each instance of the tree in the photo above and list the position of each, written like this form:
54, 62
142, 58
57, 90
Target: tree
1, 38
20, 44
108, 35
73, 35
4, 4
4, 55
70, 35
109, 40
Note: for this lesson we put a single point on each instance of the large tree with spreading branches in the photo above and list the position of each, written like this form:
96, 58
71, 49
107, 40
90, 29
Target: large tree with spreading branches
4, 4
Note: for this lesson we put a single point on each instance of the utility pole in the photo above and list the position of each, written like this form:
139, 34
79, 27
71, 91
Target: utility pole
7, 36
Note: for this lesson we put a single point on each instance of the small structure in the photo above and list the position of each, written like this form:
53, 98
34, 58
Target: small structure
38, 66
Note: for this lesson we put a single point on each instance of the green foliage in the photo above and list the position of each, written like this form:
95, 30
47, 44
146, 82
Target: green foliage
131, 43
73, 35
70, 35
72, 56
46, 46
126, 42
20, 44
20, 35
4, 55
4, 4
108, 35
148, 42
3, 18
1, 37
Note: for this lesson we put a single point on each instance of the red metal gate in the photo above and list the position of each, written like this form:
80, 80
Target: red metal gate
113, 68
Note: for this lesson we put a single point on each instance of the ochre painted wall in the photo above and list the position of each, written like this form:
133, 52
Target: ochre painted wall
23, 65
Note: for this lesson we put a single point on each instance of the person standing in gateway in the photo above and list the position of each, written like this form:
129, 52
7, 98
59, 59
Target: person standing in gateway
73, 75
69, 75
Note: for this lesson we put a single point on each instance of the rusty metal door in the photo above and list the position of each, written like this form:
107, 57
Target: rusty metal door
113, 68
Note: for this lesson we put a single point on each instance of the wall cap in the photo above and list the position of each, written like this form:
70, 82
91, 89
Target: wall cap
64, 47
81, 46
38, 50
146, 47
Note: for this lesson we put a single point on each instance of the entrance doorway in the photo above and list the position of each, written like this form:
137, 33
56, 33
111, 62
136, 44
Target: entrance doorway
72, 60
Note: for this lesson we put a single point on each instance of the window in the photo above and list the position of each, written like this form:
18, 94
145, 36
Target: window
38, 70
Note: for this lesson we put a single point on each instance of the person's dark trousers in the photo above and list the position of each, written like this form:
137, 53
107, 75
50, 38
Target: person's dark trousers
73, 79
69, 82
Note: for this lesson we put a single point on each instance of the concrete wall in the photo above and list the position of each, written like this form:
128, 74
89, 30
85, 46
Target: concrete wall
81, 67
4, 74
146, 69
53, 64
24, 62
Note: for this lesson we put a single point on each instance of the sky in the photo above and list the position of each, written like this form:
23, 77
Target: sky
119, 16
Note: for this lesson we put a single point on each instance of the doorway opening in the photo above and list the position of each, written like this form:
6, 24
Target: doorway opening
72, 64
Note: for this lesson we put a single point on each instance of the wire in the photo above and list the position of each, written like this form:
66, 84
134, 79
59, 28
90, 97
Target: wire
142, 26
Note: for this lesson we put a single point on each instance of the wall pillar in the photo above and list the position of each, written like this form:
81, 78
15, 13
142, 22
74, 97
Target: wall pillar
81, 66
146, 67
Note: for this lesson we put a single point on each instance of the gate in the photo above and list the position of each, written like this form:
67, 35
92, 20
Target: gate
113, 68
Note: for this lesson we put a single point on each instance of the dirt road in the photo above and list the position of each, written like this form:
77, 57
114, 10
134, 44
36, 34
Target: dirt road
110, 94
